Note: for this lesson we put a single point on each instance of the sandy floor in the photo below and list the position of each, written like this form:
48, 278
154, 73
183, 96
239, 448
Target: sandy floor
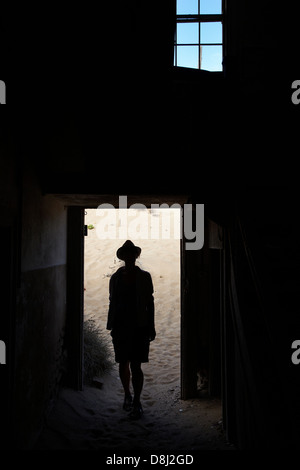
93, 419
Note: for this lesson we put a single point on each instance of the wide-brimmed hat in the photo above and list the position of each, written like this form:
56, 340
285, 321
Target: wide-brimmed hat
128, 247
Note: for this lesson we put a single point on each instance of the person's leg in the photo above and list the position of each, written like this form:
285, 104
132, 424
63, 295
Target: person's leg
137, 383
124, 373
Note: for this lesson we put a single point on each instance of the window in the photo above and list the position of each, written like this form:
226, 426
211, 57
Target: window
199, 34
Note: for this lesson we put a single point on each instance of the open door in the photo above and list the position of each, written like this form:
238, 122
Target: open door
201, 314
191, 287
192, 295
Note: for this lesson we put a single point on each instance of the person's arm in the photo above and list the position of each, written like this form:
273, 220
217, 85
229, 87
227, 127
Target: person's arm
151, 311
110, 315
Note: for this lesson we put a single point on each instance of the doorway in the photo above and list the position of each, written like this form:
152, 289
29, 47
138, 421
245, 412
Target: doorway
174, 417
199, 297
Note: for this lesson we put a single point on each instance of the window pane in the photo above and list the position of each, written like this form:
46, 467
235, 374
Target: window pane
211, 33
187, 33
211, 58
188, 56
187, 7
210, 7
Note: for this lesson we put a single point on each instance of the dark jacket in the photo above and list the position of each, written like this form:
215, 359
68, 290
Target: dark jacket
144, 299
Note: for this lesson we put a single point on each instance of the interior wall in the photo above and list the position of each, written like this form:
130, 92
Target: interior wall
40, 311
9, 196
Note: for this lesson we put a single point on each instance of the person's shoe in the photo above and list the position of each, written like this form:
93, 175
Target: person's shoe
127, 405
137, 412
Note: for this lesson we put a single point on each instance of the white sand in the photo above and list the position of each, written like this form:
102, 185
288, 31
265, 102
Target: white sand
94, 418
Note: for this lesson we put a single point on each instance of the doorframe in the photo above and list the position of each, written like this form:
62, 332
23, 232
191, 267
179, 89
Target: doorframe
189, 260
75, 296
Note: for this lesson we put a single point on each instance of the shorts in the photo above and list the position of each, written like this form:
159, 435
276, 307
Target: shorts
131, 345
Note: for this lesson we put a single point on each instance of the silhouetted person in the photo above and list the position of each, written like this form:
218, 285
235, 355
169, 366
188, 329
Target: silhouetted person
131, 319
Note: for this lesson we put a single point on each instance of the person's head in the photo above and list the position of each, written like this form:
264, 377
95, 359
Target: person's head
129, 252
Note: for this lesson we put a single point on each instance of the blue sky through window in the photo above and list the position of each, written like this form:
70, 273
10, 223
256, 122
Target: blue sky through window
210, 36
207, 7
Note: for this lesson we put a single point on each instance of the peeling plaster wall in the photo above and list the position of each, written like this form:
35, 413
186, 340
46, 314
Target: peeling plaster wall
41, 310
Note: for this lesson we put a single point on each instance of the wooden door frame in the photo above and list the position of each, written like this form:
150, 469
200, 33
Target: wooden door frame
189, 261
75, 296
